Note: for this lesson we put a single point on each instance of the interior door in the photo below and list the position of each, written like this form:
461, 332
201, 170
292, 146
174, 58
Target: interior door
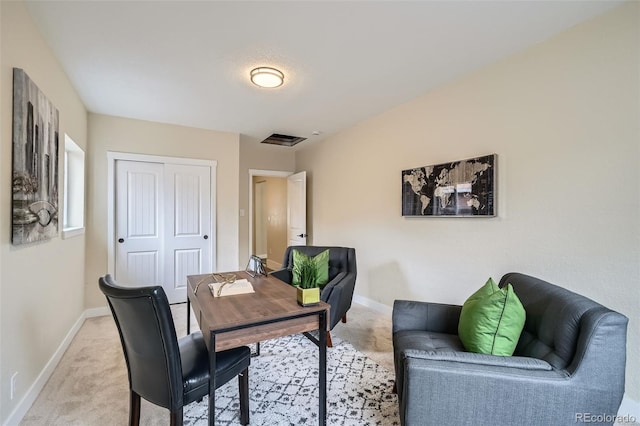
187, 234
297, 209
139, 223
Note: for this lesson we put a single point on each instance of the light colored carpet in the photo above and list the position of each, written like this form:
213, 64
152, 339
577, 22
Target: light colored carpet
90, 386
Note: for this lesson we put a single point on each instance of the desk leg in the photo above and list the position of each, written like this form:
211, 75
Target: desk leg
322, 379
188, 316
212, 379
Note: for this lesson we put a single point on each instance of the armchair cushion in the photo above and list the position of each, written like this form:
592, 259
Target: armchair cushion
420, 341
322, 264
521, 362
491, 320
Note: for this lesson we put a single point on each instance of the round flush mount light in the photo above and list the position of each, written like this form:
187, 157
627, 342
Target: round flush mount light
267, 77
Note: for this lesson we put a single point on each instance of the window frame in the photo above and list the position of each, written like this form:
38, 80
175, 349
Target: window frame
73, 219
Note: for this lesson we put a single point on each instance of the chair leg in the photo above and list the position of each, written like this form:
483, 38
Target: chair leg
243, 384
395, 388
329, 342
134, 408
344, 318
176, 418
257, 352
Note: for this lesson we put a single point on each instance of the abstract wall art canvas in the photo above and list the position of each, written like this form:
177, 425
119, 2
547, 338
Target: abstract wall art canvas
35, 163
460, 188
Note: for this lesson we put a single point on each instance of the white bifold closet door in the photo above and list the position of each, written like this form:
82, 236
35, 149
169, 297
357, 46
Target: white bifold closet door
163, 225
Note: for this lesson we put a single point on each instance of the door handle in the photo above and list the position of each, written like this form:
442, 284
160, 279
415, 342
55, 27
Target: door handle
206, 237
301, 235
121, 240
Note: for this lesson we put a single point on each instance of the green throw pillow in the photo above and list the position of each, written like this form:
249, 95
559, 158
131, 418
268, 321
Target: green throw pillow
491, 320
322, 264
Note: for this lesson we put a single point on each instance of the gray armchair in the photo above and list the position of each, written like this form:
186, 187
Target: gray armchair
569, 361
342, 279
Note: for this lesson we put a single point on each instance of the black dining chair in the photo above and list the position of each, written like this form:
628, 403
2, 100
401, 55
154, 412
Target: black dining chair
163, 369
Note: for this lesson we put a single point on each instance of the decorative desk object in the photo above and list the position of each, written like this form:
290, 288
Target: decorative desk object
230, 288
461, 188
225, 285
308, 291
255, 267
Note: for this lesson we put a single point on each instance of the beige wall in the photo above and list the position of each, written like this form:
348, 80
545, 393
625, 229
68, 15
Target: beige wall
143, 137
258, 157
563, 118
41, 284
275, 209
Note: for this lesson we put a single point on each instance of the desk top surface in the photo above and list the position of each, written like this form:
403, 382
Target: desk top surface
273, 300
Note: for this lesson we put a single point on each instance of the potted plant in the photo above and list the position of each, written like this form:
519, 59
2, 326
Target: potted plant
308, 290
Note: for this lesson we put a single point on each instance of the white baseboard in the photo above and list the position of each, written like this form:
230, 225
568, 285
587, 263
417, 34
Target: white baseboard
34, 390
272, 264
629, 410
376, 306
97, 312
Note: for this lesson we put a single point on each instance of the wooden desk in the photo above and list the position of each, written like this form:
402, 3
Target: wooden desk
272, 311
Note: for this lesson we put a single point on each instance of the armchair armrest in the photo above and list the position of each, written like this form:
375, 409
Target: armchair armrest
434, 317
338, 293
328, 287
467, 384
283, 275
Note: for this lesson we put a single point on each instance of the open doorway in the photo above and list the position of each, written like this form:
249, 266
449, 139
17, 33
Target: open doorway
270, 219
268, 216
282, 213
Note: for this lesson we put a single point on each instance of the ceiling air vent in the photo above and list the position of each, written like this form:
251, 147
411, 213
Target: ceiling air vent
283, 140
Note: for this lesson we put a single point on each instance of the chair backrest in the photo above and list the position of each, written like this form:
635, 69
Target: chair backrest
341, 259
558, 319
149, 341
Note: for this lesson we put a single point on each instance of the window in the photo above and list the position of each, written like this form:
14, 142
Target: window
73, 220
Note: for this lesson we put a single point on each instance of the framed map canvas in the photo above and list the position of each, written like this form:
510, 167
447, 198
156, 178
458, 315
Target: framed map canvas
35, 163
461, 188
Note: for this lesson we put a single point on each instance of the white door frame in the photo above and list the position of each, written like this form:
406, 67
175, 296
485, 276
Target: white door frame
252, 173
112, 157
260, 230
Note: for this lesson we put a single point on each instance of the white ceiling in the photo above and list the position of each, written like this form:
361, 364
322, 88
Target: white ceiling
188, 62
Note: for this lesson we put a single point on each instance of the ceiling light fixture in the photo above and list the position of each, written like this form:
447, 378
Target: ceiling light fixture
267, 77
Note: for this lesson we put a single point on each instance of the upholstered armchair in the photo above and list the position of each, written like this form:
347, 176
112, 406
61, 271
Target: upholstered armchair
569, 363
342, 278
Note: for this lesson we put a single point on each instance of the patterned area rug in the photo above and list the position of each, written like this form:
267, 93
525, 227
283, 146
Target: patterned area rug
283, 388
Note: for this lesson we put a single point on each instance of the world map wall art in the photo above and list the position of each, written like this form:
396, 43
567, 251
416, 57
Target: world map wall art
35, 163
463, 188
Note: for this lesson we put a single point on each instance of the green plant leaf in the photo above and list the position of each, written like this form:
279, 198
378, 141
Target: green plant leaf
308, 273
